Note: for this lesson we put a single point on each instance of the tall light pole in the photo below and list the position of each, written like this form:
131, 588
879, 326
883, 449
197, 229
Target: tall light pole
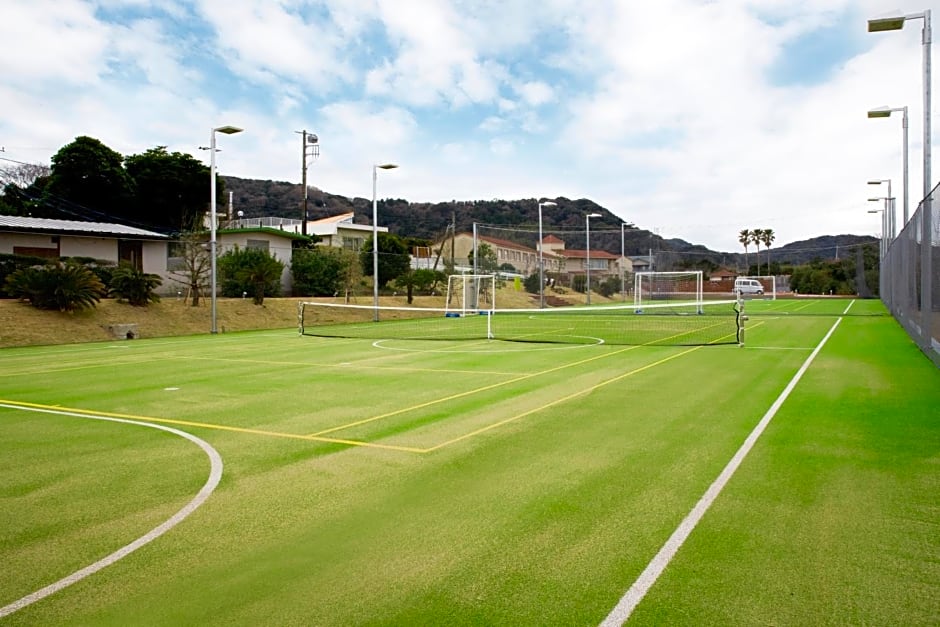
587, 223
547, 203
897, 23
309, 148
623, 260
375, 238
884, 212
883, 112
889, 210
227, 130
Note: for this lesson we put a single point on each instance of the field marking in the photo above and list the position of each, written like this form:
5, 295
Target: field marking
215, 475
660, 561
556, 347
564, 399
209, 425
468, 392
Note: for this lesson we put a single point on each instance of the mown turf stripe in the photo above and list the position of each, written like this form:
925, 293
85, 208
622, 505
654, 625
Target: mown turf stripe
624, 608
215, 475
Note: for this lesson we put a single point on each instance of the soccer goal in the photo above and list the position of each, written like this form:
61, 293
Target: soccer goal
469, 294
769, 282
650, 288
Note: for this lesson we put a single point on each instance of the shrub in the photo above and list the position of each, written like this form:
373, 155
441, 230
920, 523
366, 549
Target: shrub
62, 286
11, 263
134, 286
609, 286
318, 271
250, 271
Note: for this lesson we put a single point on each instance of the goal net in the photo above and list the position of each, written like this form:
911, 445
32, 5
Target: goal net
770, 285
469, 294
664, 324
679, 288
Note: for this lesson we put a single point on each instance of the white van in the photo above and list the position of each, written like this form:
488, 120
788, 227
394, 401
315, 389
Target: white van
748, 286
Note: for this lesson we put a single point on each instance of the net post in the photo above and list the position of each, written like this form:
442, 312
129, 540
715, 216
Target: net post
741, 319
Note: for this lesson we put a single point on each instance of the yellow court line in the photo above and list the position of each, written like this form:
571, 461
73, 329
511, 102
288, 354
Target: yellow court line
564, 399
206, 425
468, 392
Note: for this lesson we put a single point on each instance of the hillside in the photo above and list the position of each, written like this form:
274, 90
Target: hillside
430, 221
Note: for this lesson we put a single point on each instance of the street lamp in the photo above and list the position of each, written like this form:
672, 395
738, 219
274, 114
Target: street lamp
884, 112
310, 148
375, 239
623, 260
227, 130
889, 209
897, 23
547, 203
883, 246
587, 223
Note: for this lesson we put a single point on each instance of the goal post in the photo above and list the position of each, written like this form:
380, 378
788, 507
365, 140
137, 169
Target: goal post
675, 287
469, 294
769, 281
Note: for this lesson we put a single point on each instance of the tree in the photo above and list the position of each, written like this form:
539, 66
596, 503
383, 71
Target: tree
745, 238
487, 262
755, 239
250, 271
171, 190
393, 258
134, 286
88, 180
767, 238
191, 262
318, 271
23, 174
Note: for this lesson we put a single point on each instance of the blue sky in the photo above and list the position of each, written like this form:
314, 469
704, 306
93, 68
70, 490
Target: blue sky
693, 118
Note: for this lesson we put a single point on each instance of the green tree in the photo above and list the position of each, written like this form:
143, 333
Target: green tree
756, 240
767, 238
134, 286
487, 263
319, 271
394, 259
171, 190
250, 271
744, 236
89, 179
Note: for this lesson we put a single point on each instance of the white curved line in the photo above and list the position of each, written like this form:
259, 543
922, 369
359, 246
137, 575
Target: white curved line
215, 475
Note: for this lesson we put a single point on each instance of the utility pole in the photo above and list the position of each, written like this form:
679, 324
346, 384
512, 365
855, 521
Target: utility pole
310, 148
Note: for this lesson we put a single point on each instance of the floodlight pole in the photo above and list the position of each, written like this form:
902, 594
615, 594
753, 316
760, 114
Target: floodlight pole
375, 238
587, 222
309, 148
227, 130
623, 258
889, 211
547, 203
897, 23
883, 112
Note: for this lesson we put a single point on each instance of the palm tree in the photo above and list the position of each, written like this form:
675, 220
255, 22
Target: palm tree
756, 239
767, 237
745, 238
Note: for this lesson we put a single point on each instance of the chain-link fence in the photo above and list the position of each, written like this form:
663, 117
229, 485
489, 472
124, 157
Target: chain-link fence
910, 277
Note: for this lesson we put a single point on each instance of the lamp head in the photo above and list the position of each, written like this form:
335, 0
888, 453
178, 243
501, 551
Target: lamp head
877, 199
876, 182
880, 112
387, 166
228, 130
886, 23
548, 203
594, 215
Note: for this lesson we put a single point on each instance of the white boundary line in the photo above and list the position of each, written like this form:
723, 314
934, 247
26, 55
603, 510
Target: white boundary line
636, 592
215, 475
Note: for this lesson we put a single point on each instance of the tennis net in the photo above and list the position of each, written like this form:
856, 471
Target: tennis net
718, 322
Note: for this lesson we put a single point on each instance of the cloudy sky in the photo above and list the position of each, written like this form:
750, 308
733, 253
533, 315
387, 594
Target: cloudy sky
691, 117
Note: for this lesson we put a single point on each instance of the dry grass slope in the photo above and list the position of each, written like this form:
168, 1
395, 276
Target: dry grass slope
22, 325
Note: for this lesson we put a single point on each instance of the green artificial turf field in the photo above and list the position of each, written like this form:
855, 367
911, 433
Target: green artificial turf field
405, 482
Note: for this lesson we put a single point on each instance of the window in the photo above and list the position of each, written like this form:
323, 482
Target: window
258, 244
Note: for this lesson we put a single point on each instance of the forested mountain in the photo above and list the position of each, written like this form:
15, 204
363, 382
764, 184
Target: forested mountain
431, 221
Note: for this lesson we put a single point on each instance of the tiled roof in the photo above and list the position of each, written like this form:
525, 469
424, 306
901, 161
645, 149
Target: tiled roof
343, 217
595, 254
19, 223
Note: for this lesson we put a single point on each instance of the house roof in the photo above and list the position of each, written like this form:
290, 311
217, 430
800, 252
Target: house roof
582, 254
343, 217
49, 225
551, 239
264, 229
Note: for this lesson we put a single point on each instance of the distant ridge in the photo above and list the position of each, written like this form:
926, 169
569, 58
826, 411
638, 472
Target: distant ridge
429, 221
